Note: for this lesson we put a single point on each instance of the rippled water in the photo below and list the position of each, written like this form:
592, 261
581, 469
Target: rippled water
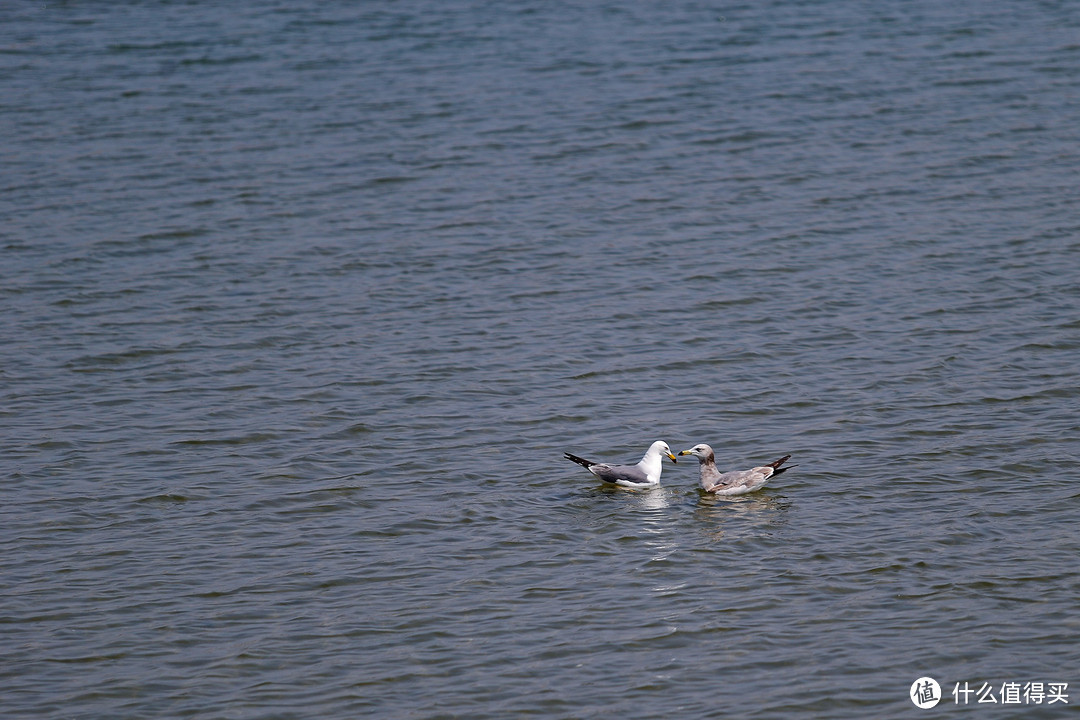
302, 304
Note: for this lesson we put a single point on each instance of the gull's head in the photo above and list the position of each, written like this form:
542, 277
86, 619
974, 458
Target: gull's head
661, 448
701, 450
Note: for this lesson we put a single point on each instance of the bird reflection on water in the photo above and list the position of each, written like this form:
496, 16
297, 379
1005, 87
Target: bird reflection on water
743, 516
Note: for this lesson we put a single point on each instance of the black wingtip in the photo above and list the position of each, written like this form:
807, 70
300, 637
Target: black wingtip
776, 464
579, 460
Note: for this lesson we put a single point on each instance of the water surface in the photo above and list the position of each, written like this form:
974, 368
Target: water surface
302, 304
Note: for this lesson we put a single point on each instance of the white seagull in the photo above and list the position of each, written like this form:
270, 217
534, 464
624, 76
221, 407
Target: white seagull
734, 482
645, 474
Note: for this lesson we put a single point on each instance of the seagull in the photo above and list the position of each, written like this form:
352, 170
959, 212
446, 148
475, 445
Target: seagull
646, 474
735, 482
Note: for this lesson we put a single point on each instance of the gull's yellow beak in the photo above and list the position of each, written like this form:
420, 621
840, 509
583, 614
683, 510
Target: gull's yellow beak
673, 458
685, 452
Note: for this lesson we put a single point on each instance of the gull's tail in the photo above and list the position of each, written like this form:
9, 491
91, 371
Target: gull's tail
582, 461
776, 465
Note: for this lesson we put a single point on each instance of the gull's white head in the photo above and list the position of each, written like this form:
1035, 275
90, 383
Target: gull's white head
661, 448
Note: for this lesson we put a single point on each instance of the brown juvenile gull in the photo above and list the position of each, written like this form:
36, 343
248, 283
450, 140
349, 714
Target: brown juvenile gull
645, 474
734, 482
